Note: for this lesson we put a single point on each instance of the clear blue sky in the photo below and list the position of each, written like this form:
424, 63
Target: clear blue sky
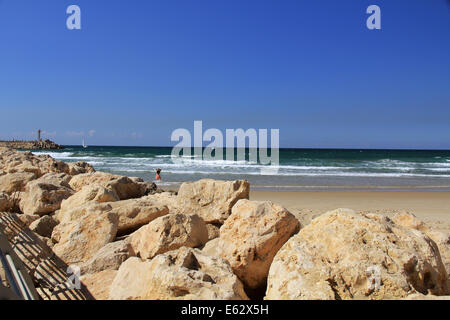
139, 69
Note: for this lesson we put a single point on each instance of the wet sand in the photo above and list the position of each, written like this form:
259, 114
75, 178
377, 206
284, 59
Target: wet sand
431, 207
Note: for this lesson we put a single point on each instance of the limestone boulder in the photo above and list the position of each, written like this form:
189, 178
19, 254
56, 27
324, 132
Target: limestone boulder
80, 167
344, 255
98, 284
44, 226
134, 213
124, 187
213, 231
13, 182
43, 197
211, 199
252, 235
13, 161
77, 241
109, 257
168, 233
184, 274
441, 239
76, 213
94, 192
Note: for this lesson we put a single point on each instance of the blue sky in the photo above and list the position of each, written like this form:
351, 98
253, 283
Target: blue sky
140, 69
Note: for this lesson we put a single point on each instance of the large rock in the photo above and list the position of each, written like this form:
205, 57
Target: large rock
211, 199
76, 213
13, 182
43, 197
344, 255
13, 161
79, 240
98, 284
184, 274
80, 167
252, 235
134, 213
124, 187
44, 226
168, 233
442, 240
109, 257
94, 192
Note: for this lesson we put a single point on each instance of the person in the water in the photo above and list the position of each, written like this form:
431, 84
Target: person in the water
158, 176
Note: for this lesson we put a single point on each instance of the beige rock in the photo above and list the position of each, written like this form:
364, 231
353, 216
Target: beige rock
13, 161
124, 187
76, 213
134, 213
43, 197
168, 233
75, 168
213, 231
93, 192
109, 257
251, 237
44, 226
13, 182
211, 247
6, 204
185, 274
211, 199
56, 179
442, 240
79, 240
99, 283
344, 255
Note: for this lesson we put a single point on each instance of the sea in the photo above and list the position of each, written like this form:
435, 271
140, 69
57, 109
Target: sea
298, 170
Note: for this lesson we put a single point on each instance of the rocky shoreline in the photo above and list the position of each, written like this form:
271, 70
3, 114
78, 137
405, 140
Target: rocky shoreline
132, 240
31, 145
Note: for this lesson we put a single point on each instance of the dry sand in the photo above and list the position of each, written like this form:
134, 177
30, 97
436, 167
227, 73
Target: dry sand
431, 207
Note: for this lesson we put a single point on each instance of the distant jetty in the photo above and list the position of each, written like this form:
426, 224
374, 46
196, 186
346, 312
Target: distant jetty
32, 145
38, 144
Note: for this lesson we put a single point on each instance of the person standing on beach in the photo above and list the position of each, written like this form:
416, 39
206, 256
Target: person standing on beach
158, 177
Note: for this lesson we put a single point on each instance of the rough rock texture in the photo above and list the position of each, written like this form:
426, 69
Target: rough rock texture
44, 226
93, 192
442, 240
210, 247
344, 255
80, 167
211, 199
134, 213
109, 257
79, 240
99, 283
185, 274
44, 196
13, 182
124, 187
251, 237
6, 203
12, 161
76, 213
168, 233
213, 231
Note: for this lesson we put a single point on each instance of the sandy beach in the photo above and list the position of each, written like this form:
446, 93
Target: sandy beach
431, 207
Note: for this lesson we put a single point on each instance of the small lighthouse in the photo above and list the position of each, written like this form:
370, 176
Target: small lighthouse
39, 134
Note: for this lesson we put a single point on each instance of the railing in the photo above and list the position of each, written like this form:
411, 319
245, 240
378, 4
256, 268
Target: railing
18, 279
